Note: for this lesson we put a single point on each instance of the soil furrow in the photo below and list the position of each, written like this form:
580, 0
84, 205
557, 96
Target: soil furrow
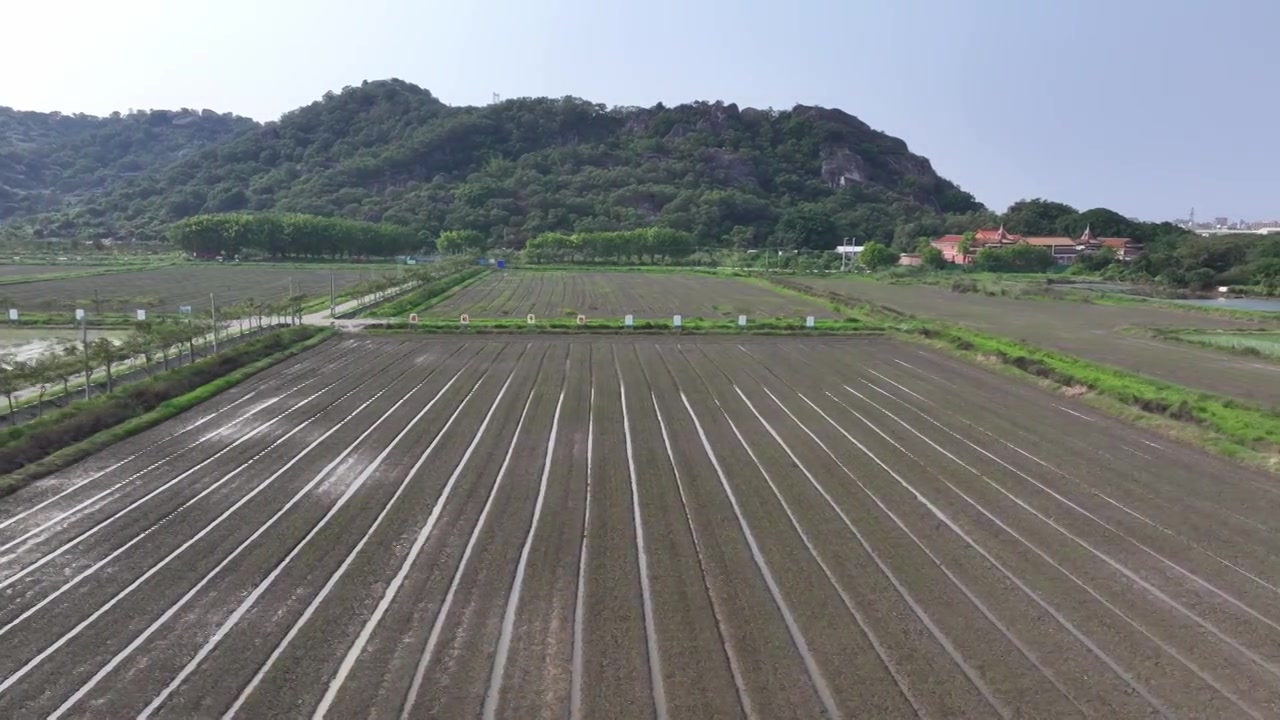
641, 526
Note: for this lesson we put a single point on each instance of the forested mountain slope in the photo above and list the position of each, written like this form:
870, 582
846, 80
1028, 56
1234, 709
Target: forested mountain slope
390, 151
50, 160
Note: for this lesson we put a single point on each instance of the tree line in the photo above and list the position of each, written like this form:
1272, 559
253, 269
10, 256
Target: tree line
291, 235
60, 366
163, 340
651, 244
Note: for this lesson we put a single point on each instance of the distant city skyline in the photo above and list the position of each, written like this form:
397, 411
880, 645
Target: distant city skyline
1206, 221
1091, 103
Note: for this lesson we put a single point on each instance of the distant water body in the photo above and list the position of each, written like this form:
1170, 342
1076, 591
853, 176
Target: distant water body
1260, 304
1256, 304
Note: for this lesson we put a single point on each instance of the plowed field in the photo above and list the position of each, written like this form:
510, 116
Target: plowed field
638, 528
1093, 332
165, 289
549, 294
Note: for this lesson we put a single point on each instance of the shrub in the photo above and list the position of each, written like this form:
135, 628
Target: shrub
1014, 259
932, 258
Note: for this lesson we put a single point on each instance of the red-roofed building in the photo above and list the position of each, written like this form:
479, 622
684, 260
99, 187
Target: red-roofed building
1125, 248
950, 244
1064, 249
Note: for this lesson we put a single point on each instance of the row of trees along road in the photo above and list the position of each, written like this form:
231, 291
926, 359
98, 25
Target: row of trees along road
286, 235
59, 366
150, 340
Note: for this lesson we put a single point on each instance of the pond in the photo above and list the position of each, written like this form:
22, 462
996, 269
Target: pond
30, 343
1256, 304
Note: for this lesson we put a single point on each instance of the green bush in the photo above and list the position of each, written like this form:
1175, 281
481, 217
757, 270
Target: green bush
1014, 259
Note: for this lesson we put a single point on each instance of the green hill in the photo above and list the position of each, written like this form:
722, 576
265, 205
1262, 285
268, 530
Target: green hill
50, 160
390, 151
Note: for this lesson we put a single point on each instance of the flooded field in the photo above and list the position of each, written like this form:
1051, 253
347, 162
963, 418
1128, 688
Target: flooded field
29, 343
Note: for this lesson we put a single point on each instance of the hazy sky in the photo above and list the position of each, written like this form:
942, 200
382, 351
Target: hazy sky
1144, 106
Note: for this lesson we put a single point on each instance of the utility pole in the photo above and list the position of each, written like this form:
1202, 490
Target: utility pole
213, 315
84, 342
332, 297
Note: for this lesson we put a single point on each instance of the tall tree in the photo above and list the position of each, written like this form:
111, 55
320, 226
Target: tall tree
875, 256
106, 354
454, 242
13, 377
808, 227
1036, 217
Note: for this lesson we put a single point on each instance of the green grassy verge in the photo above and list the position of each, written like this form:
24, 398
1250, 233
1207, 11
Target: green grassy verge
33, 450
1253, 343
1227, 426
428, 294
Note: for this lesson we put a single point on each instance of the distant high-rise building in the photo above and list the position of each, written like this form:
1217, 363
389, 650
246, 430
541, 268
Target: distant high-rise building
1221, 221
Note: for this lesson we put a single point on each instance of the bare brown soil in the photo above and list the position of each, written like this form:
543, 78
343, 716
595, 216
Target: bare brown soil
165, 289
1109, 334
22, 270
550, 295
637, 528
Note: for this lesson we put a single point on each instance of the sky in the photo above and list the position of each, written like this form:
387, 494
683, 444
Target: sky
1148, 107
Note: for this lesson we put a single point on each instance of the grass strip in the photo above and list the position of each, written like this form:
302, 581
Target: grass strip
1230, 427
1247, 342
88, 426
